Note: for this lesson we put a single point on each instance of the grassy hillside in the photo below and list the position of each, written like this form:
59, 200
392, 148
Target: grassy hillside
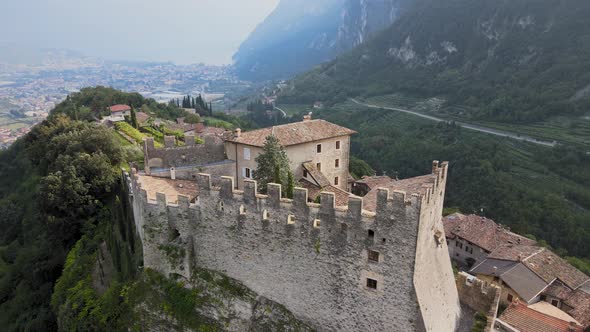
501, 61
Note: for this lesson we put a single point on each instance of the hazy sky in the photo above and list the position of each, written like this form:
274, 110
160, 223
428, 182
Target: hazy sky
182, 31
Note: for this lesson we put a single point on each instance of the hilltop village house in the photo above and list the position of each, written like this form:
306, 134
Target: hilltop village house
349, 263
119, 112
317, 149
526, 273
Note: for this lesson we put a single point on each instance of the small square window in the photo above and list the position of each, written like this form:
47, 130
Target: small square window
317, 223
337, 145
304, 173
336, 180
555, 303
373, 256
371, 283
509, 297
337, 163
319, 166
318, 148
290, 219
371, 234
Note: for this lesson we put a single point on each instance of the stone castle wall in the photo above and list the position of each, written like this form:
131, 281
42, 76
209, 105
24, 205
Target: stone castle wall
190, 155
479, 296
312, 258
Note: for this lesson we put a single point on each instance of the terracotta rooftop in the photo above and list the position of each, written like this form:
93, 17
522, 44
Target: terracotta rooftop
512, 252
549, 266
172, 188
141, 117
120, 108
481, 231
376, 181
558, 290
340, 196
313, 191
579, 300
293, 133
525, 319
316, 174
551, 310
416, 185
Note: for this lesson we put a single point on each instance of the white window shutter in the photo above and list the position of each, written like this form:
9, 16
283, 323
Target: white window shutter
246, 153
243, 172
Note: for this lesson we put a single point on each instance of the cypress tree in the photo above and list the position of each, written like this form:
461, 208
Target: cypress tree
134, 119
290, 184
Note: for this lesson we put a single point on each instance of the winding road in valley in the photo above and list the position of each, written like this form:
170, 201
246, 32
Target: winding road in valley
284, 113
481, 129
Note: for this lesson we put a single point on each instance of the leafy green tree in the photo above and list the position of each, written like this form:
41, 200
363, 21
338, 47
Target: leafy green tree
273, 164
134, 118
359, 168
192, 118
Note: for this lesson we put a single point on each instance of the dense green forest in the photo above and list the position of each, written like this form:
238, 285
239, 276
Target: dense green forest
503, 61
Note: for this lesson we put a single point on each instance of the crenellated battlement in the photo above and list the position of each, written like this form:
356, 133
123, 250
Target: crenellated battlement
328, 264
386, 200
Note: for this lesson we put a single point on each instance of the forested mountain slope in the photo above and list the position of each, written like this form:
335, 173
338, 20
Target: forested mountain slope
500, 60
300, 34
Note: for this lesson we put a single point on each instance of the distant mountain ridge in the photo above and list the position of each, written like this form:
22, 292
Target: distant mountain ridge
500, 60
300, 34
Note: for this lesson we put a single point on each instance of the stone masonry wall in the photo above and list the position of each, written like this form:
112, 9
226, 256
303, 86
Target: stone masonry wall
479, 296
312, 258
181, 156
433, 273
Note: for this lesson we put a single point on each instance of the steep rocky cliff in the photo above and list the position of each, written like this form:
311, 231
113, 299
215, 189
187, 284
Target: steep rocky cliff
499, 60
302, 33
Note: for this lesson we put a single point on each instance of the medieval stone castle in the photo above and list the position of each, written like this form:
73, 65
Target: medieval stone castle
373, 263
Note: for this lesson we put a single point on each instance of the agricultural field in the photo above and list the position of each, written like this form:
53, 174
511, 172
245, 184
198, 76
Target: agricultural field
574, 130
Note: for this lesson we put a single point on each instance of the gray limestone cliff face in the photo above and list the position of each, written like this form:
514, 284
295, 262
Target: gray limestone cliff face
300, 34
335, 269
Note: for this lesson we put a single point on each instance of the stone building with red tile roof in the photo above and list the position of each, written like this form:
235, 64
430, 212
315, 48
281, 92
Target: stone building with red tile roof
532, 274
318, 151
471, 238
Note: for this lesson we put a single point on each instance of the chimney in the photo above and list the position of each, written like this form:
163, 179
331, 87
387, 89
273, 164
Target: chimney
237, 132
307, 117
572, 327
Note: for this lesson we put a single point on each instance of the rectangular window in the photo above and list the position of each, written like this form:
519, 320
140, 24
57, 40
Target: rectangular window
304, 173
373, 256
247, 173
337, 163
371, 283
318, 148
337, 145
246, 153
336, 181
509, 297
371, 234
319, 166
555, 302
